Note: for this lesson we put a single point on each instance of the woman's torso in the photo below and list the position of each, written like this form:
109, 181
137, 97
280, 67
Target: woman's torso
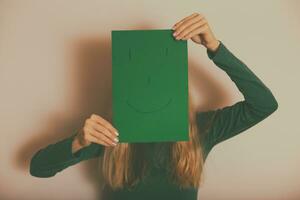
156, 184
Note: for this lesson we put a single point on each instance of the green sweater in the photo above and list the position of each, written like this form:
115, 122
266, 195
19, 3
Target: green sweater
218, 125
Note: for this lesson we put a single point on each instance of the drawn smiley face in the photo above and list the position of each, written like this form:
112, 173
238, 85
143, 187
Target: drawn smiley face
150, 84
149, 88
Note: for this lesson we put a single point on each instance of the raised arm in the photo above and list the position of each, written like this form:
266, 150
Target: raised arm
231, 120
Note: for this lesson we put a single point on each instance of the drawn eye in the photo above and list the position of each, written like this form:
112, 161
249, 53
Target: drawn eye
166, 51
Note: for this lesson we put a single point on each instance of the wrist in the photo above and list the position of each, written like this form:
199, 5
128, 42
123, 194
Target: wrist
76, 144
213, 46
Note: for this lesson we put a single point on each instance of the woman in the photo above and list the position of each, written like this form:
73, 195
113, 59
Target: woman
166, 170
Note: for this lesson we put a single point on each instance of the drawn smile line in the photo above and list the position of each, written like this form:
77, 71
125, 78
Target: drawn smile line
149, 111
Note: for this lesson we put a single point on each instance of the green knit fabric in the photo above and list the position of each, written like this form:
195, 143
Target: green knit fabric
215, 126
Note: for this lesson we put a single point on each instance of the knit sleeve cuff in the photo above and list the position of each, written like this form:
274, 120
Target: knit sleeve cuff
219, 52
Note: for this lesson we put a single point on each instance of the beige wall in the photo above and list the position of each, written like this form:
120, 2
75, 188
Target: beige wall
55, 71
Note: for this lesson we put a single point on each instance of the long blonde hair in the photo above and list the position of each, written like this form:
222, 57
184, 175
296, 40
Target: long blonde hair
125, 164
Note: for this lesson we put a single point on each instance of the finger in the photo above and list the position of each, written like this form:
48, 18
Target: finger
100, 129
96, 140
186, 18
186, 24
105, 123
101, 137
105, 131
197, 31
191, 28
91, 138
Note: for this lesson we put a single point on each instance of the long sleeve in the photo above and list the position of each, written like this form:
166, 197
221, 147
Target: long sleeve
53, 158
231, 120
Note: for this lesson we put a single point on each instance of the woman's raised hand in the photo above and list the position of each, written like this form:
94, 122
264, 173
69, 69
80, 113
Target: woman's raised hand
98, 130
196, 28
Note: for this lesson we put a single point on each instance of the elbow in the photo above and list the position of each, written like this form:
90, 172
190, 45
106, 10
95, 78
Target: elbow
275, 105
40, 173
36, 171
271, 107
266, 108
270, 103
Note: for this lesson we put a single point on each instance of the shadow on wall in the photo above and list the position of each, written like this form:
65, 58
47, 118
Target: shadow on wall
207, 91
90, 89
90, 92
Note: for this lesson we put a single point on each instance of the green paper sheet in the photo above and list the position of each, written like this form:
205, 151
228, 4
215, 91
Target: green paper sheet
149, 86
